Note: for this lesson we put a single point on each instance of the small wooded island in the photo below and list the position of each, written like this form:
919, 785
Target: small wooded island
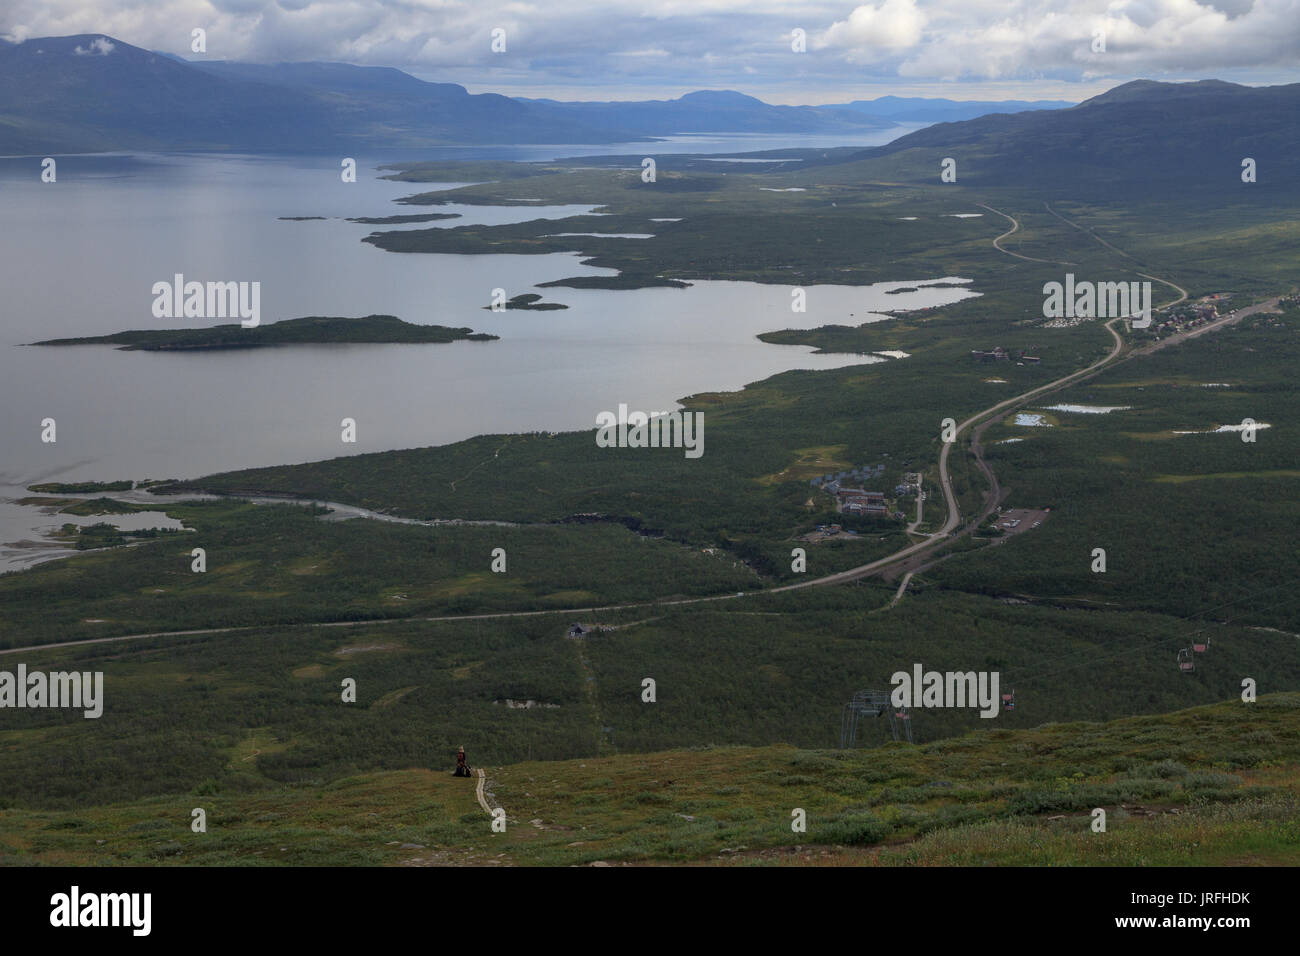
313, 330
530, 300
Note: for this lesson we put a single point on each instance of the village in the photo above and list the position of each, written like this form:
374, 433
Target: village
853, 499
1190, 315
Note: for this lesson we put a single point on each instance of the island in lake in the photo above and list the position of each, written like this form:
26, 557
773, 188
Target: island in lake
381, 220
312, 330
397, 220
531, 300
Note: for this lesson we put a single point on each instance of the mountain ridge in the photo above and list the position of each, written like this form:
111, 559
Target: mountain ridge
94, 92
1142, 134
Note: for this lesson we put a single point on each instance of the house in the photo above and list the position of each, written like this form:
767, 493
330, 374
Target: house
856, 501
861, 493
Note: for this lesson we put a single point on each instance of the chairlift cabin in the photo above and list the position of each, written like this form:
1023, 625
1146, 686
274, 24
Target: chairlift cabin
1185, 660
1009, 701
1201, 648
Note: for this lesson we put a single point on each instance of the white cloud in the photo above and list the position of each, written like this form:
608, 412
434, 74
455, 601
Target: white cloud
892, 26
619, 45
1143, 37
102, 46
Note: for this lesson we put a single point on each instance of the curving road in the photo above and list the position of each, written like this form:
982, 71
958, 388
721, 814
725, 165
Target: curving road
976, 422
1015, 227
852, 574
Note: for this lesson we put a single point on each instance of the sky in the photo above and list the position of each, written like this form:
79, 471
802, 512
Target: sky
643, 49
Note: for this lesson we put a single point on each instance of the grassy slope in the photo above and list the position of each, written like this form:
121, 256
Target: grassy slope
1215, 785
777, 669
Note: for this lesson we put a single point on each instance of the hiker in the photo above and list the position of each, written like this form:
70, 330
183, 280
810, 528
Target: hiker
462, 768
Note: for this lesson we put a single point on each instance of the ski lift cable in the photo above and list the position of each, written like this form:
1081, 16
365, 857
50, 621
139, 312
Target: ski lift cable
1179, 639
1250, 597
1090, 654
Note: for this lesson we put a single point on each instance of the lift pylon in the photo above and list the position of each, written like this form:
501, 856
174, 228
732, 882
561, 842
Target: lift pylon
873, 703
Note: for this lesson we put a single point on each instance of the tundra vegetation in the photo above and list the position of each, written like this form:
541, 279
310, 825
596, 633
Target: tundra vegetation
1199, 532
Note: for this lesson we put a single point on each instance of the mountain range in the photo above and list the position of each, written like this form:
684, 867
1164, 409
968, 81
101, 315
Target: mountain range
92, 92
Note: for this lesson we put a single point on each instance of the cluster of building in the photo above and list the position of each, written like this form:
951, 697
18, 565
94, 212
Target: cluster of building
1189, 315
870, 504
856, 501
833, 481
910, 485
999, 354
852, 498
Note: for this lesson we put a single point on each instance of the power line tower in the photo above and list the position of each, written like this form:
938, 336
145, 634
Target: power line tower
873, 703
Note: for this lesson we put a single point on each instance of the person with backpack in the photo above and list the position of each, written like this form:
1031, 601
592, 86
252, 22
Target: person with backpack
462, 768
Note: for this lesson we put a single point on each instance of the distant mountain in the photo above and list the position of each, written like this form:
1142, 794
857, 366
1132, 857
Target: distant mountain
93, 93
87, 93
913, 109
716, 111
1143, 135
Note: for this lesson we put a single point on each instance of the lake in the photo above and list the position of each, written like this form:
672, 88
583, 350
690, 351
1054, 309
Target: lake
81, 255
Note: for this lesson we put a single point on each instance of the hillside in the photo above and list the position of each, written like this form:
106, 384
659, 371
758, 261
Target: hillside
1137, 137
1216, 785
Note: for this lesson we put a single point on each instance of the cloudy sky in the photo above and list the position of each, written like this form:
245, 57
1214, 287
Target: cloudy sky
626, 49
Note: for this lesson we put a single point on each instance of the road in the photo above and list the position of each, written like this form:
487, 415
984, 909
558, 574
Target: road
1015, 227
853, 574
902, 588
920, 500
977, 423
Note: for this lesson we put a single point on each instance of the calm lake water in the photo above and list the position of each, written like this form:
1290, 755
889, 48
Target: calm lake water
80, 257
